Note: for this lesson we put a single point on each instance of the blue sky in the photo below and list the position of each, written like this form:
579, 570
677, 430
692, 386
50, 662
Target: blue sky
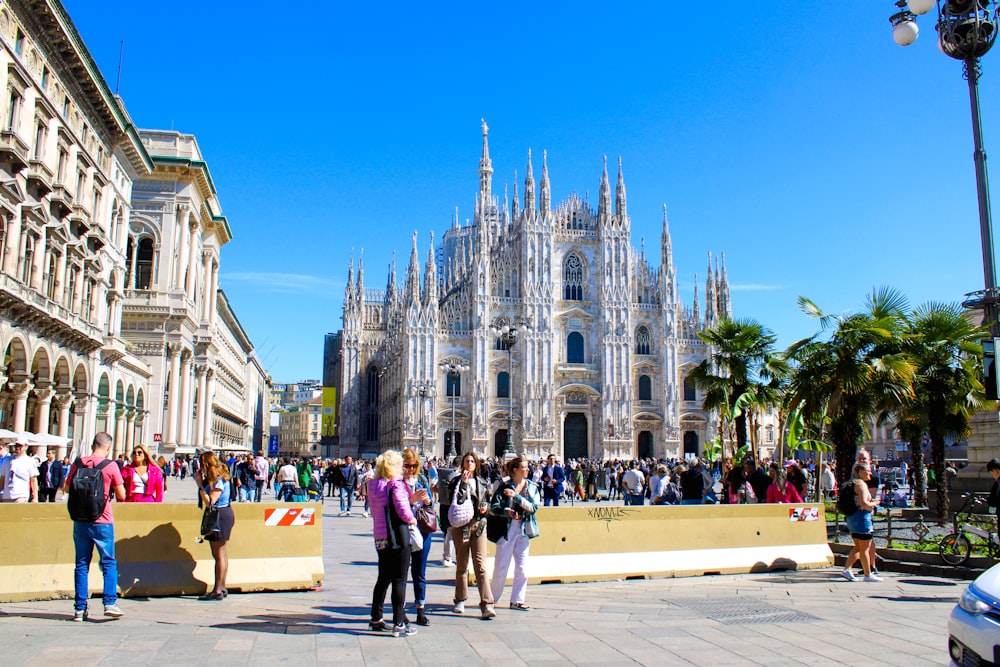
797, 138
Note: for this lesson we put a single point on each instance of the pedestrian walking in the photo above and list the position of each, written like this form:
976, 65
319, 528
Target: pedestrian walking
517, 500
214, 490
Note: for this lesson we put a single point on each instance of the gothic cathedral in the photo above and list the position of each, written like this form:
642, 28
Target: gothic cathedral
535, 329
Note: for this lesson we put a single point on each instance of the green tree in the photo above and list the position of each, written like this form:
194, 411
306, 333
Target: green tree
947, 386
856, 373
742, 373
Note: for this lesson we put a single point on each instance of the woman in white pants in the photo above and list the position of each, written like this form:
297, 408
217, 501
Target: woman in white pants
517, 499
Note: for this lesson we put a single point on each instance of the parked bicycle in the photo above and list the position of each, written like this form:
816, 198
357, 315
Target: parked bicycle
956, 547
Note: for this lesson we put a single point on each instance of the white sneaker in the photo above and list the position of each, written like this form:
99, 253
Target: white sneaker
459, 608
872, 578
447, 562
80, 615
364, 514
112, 611
847, 574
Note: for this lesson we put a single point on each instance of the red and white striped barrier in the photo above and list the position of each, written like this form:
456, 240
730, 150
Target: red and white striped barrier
290, 517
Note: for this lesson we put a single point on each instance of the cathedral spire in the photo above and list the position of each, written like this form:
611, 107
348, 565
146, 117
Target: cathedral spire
545, 192
666, 247
413, 274
604, 203
529, 189
710, 298
485, 174
506, 206
515, 209
620, 209
697, 310
724, 305
361, 275
430, 276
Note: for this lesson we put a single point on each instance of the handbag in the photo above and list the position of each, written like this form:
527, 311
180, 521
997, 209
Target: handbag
398, 532
530, 527
416, 538
427, 520
460, 514
210, 521
496, 527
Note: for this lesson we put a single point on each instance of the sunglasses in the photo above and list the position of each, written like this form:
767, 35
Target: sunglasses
411, 465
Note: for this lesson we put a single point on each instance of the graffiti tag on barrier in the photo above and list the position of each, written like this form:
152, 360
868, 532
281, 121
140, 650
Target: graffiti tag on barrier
803, 514
608, 514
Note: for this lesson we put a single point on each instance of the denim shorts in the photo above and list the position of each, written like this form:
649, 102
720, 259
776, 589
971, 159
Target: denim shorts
860, 523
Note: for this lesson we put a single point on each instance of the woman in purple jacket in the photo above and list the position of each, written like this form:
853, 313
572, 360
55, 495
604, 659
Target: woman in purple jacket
388, 496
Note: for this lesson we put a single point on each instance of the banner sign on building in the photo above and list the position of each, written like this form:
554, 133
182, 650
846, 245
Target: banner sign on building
272, 446
329, 425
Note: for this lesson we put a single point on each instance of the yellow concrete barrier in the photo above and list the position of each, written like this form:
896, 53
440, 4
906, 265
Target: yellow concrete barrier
159, 551
598, 542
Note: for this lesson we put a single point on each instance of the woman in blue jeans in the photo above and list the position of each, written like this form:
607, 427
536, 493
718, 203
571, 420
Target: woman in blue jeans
419, 488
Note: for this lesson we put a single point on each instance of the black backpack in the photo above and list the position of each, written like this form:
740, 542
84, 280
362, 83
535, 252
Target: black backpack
847, 502
86, 492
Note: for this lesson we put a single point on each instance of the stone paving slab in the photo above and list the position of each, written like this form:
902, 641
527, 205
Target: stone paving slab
901, 621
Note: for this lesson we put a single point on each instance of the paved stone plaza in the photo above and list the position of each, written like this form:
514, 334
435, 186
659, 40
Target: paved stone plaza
797, 618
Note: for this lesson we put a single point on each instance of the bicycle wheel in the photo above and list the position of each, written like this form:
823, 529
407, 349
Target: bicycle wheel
954, 548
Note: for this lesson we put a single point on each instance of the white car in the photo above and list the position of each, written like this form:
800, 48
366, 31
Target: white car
974, 626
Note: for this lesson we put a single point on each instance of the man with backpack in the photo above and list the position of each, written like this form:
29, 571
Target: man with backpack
89, 485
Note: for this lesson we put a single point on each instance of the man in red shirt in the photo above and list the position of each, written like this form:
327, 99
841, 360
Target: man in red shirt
99, 533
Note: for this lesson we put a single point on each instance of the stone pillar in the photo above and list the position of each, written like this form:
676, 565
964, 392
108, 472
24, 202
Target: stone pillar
192, 268
63, 402
206, 439
202, 379
170, 427
183, 222
19, 391
13, 241
211, 293
119, 444
82, 433
129, 431
43, 411
76, 303
41, 266
184, 407
207, 272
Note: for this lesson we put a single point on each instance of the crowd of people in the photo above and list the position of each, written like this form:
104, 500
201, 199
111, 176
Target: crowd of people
468, 502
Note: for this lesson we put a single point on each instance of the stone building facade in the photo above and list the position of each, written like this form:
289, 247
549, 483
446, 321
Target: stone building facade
603, 348
109, 283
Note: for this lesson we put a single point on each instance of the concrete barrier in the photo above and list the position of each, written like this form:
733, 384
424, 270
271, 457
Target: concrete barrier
593, 542
159, 551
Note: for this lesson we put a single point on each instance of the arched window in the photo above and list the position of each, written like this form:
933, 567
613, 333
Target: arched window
643, 341
574, 348
645, 388
453, 384
501, 344
573, 278
144, 264
503, 384
690, 392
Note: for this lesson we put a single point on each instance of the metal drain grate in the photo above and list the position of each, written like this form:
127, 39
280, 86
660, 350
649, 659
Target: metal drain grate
743, 611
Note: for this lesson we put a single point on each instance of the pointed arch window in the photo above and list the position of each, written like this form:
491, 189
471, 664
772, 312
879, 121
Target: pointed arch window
503, 384
573, 278
371, 407
643, 341
574, 348
645, 388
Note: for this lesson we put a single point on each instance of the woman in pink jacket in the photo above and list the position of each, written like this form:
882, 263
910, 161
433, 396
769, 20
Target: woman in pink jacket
391, 514
781, 490
143, 478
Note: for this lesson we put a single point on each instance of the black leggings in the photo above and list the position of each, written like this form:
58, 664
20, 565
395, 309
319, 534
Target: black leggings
392, 568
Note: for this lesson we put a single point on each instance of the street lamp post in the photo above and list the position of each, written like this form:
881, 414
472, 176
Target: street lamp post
966, 32
454, 370
508, 332
422, 392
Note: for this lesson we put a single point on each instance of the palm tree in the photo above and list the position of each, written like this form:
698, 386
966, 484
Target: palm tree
856, 373
948, 384
741, 375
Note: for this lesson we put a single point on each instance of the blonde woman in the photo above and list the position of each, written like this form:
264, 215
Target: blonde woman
391, 514
143, 478
860, 524
212, 479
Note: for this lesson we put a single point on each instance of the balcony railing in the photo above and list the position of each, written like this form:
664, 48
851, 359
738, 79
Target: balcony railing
13, 149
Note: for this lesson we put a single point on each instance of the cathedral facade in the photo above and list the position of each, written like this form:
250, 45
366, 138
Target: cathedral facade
536, 328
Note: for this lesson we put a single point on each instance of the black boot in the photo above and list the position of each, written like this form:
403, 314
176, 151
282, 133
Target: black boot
421, 617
